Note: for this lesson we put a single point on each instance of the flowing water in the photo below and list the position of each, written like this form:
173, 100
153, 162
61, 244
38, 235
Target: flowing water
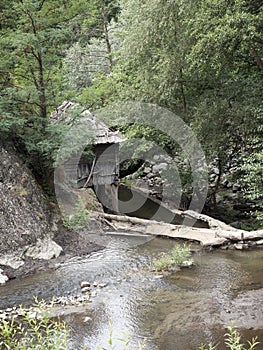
174, 312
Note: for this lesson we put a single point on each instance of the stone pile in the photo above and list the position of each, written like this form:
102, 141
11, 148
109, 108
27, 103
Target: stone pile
85, 296
150, 177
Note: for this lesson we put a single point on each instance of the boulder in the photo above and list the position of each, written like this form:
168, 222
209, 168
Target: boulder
3, 277
27, 222
45, 249
24, 209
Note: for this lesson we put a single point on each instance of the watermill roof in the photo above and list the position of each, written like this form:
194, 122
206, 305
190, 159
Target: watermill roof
101, 133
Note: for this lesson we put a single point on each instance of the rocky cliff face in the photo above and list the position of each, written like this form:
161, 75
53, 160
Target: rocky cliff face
24, 211
30, 231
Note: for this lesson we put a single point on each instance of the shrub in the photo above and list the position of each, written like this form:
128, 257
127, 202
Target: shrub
179, 257
233, 341
33, 330
181, 254
124, 341
79, 219
163, 263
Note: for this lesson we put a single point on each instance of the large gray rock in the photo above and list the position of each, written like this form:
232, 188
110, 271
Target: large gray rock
24, 209
44, 249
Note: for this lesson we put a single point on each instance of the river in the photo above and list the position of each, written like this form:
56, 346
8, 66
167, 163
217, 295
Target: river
174, 312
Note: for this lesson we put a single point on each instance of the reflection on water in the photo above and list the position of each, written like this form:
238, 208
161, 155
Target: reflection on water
175, 312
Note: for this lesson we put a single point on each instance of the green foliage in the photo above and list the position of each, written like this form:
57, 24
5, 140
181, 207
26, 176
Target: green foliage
179, 256
150, 59
89, 63
31, 47
253, 174
33, 331
78, 219
124, 342
67, 138
201, 60
33, 38
253, 168
163, 263
102, 91
233, 342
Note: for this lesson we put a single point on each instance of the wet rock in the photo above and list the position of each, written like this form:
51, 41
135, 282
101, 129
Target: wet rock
259, 242
85, 290
3, 278
187, 263
241, 246
84, 284
158, 277
150, 175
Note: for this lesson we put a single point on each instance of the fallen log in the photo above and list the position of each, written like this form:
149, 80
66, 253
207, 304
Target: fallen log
207, 237
240, 235
128, 219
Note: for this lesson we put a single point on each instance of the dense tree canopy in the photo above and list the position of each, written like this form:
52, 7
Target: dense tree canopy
34, 38
200, 59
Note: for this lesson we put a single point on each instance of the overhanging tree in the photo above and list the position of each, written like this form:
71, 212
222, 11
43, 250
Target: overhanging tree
34, 36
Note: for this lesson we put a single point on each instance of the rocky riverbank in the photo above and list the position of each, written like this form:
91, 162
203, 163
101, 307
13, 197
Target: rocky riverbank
32, 236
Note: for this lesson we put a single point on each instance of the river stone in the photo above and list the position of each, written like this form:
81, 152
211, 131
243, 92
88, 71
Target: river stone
3, 278
84, 284
45, 249
85, 290
240, 246
102, 285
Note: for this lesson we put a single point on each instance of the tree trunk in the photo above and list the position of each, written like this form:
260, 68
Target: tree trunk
217, 235
107, 38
